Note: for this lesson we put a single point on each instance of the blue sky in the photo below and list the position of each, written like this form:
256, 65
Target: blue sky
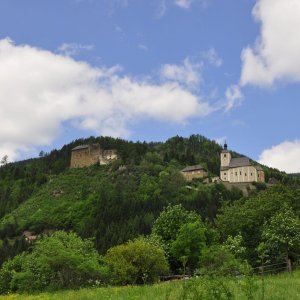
149, 70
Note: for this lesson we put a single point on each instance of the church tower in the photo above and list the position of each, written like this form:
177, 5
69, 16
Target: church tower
225, 156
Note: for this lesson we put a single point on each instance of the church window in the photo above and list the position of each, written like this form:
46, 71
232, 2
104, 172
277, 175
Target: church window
251, 174
240, 172
225, 174
224, 155
245, 174
235, 173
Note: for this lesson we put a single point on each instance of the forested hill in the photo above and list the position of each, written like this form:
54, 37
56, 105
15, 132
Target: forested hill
18, 180
110, 203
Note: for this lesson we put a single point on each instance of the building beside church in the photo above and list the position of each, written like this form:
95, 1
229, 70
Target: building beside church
87, 155
191, 172
239, 170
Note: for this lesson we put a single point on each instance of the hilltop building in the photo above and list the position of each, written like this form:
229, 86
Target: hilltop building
29, 236
239, 170
87, 155
191, 172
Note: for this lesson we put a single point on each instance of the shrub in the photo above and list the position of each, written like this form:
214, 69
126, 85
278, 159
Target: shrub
219, 261
136, 262
63, 260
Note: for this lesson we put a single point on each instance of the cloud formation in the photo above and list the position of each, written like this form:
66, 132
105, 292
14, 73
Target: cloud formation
73, 49
188, 73
275, 55
40, 91
284, 156
143, 47
233, 96
186, 4
212, 57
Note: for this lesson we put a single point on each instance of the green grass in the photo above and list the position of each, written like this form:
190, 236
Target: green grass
279, 287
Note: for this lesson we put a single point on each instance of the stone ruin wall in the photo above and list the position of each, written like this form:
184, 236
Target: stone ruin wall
85, 157
90, 155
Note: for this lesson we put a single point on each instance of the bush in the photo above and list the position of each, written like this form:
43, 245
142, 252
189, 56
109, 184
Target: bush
63, 260
219, 261
136, 262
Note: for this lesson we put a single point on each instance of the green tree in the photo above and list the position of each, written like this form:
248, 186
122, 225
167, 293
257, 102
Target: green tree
248, 216
169, 222
235, 245
218, 260
136, 262
61, 261
282, 232
188, 244
262, 251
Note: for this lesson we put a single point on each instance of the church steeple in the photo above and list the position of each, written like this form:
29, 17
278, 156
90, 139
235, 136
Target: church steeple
225, 146
225, 156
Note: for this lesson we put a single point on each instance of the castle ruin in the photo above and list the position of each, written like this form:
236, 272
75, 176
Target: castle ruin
87, 155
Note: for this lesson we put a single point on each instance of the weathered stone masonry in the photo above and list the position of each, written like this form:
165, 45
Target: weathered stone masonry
86, 155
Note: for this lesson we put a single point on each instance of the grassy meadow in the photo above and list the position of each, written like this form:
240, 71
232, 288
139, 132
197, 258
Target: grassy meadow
283, 286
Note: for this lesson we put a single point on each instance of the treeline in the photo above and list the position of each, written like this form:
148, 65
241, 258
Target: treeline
145, 179
119, 202
262, 229
113, 204
19, 180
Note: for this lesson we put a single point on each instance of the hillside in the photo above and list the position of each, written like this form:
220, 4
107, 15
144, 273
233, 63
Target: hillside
110, 203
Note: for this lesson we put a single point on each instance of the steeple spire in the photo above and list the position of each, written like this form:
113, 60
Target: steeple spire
225, 145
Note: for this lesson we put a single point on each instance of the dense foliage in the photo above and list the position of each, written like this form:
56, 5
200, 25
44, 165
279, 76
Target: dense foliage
251, 217
60, 261
188, 245
137, 261
93, 201
191, 227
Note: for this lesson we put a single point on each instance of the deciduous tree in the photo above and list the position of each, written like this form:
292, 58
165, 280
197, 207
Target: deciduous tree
136, 262
282, 232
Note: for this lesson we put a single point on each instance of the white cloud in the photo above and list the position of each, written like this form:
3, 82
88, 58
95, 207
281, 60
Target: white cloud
275, 55
183, 3
212, 57
233, 96
284, 156
187, 73
41, 90
143, 47
162, 8
186, 4
73, 49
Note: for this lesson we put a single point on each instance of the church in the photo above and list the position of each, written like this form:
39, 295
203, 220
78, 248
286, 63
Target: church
239, 170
